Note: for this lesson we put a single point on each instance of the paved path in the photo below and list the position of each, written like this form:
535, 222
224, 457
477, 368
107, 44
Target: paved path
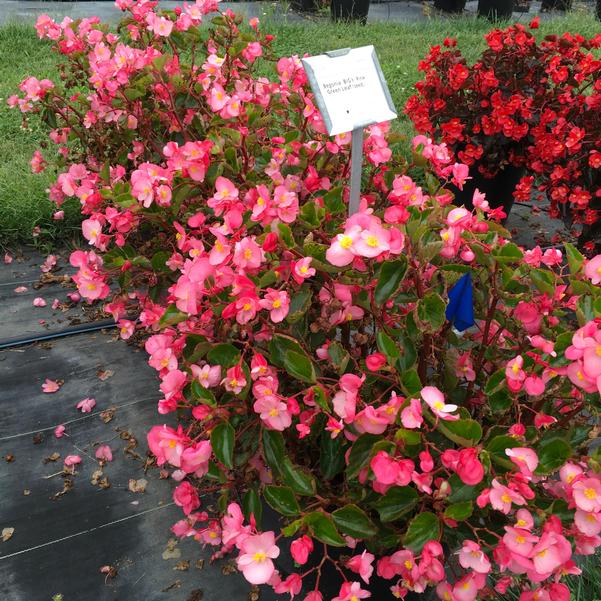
394, 12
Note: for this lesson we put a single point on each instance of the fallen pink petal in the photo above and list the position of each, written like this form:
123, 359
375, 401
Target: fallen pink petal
50, 386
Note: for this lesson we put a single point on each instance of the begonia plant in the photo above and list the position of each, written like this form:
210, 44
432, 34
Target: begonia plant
526, 104
309, 360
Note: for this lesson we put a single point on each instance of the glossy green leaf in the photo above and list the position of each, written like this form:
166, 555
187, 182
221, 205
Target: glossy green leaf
410, 382
222, 443
251, 505
360, 453
464, 432
274, 449
389, 279
322, 528
202, 394
226, 355
339, 356
459, 511
397, 501
353, 521
387, 346
331, 456
552, 454
299, 304
282, 499
422, 528
431, 310
172, 316
575, 258
301, 481
299, 366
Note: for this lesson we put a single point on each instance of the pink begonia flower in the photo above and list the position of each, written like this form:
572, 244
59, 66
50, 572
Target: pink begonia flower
592, 270
59, 431
292, 586
212, 534
86, 405
300, 549
104, 453
256, 555
235, 379
534, 385
541, 420
570, 472
186, 497
588, 523
362, 565
39, 302
471, 557
340, 253
587, 494
552, 551
50, 386
465, 367
233, 530
71, 460
519, 540
20, 289
167, 444
375, 361
302, 269
351, 591
530, 316
277, 303
526, 459
91, 229
514, 374
435, 400
58, 215
468, 587
208, 375
411, 416
248, 254
371, 420
501, 497
195, 458
273, 412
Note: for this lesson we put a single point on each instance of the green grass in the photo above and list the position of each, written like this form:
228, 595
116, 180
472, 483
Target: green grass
23, 201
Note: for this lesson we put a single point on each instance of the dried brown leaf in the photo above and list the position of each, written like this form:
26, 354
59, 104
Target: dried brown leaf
108, 414
9, 458
105, 374
182, 566
54, 457
137, 485
7, 534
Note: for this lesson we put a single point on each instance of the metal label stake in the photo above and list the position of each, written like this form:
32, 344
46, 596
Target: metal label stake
351, 93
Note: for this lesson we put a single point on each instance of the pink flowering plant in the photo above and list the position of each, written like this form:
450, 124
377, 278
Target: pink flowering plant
307, 360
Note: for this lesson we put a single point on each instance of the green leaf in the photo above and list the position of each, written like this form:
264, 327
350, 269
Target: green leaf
461, 491
331, 456
312, 213
322, 528
339, 356
274, 449
299, 304
496, 447
251, 505
301, 481
387, 346
320, 398
282, 499
280, 345
299, 366
431, 310
360, 453
464, 432
407, 353
226, 355
202, 394
292, 528
389, 280
333, 201
543, 280
552, 454
397, 501
172, 316
353, 521
575, 258
422, 528
222, 443
495, 382
508, 253
410, 382
459, 511
159, 261
285, 235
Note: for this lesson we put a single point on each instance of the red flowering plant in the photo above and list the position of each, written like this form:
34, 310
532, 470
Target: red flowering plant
309, 360
523, 104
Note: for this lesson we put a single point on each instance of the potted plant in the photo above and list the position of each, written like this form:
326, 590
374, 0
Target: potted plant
408, 389
495, 10
450, 6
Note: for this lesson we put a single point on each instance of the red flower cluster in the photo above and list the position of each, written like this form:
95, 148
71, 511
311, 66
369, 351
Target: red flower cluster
523, 103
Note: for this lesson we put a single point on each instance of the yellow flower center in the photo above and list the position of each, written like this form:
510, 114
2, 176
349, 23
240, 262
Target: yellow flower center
439, 405
218, 246
212, 534
172, 444
246, 307
303, 269
408, 564
515, 368
274, 412
372, 241
260, 201
248, 253
519, 539
590, 493
445, 236
346, 242
277, 303
506, 498
521, 523
259, 556
233, 382
598, 351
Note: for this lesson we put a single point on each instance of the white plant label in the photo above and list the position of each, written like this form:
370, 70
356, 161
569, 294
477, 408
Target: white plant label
350, 89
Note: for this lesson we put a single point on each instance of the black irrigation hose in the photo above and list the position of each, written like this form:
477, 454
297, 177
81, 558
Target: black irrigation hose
79, 329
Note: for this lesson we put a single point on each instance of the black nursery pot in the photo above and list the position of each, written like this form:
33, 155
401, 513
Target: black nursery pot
495, 10
450, 6
498, 189
562, 5
304, 6
350, 10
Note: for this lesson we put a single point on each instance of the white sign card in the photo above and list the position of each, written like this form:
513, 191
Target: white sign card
350, 89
